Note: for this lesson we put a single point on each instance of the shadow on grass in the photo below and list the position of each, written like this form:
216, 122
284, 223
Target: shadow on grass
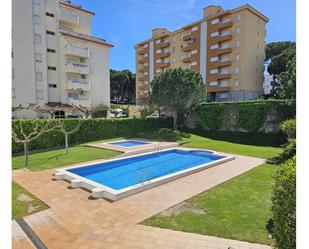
258, 139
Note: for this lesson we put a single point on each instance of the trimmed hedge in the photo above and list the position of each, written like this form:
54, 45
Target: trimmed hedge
284, 205
90, 130
248, 115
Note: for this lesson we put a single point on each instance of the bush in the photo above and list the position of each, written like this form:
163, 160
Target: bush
100, 111
289, 128
90, 130
211, 115
284, 205
249, 115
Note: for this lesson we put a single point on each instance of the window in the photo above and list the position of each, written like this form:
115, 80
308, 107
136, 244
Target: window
13, 73
258, 33
49, 50
223, 59
224, 71
213, 34
237, 57
13, 93
37, 38
237, 70
257, 45
236, 82
36, 2
145, 64
214, 21
225, 45
224, 83
39, 94
194, 51
52, 85
214, 46
237, 44
146, 82
39, 76
50, 32
158, 61
194, 63
38, 57
223, 95
213, 71
194, 28
145, 55
146, 45
146, 73
173, 49
213, 59
213, 83
50, 14
82, 60
72, 95
238, 17
51, 68
36, 19
238, 30
83, 76
173, 59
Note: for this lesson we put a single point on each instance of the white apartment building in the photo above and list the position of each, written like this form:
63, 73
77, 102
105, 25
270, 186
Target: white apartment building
268, 83
55, 59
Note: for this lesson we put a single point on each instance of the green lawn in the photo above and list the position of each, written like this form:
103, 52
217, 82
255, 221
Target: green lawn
237, 209
56, 158
24, 203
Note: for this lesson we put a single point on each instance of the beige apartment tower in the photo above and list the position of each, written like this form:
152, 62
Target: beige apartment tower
55, 59
226, 47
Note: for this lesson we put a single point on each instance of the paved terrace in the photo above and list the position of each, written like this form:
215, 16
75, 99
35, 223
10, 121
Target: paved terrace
74, 220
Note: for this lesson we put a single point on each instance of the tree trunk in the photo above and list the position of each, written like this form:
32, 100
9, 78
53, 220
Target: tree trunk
175, 120
26, 153
66, 143
274, 80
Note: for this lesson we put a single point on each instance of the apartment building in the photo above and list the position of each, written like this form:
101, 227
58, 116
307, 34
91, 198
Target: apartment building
55, 59
226, 47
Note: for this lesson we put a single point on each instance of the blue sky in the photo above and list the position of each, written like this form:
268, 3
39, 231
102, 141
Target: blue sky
127, 22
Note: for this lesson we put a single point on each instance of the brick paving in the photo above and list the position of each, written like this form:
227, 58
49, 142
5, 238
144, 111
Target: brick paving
75, 220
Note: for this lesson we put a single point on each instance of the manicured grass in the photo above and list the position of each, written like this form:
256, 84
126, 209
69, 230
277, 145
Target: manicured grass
57, 158
237, 209
27, 204
256, 145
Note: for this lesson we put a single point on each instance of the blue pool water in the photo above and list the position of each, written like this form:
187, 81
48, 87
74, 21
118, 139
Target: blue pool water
131, 171
129, 143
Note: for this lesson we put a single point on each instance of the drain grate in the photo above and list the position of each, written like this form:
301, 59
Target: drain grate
30, 233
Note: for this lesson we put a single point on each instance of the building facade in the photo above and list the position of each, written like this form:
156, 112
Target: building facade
55, 59
268, 84
226, 47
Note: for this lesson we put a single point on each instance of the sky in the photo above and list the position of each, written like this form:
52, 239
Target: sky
125, 23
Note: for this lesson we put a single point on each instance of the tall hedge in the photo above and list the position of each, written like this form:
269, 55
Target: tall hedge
284, 205
90, 130
249, 115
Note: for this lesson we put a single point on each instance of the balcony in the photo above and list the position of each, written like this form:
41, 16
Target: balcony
141, 69
223, 76
195, 68
69, 17
186, 59
162, 64
218, 89
143, 78
76, 68
223, 25
78, 85
221, 51
162, 44
82, 102
163, 55
222, 63
77, 51
143, 60
223, 38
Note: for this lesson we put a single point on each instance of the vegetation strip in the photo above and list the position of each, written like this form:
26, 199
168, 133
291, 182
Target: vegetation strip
31, 234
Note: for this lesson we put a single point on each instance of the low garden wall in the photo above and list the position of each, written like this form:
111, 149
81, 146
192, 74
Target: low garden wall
247, 116
90, 130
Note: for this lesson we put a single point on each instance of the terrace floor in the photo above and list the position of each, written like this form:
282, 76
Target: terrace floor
74, 220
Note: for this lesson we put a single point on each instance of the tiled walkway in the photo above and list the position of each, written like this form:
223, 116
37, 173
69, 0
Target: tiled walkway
76, 221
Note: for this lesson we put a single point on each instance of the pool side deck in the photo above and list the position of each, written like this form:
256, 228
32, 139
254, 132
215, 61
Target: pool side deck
151, 146
75, 220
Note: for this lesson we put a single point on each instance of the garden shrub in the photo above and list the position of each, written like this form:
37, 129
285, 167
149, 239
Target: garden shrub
146, 111
90, 130
284, 205
100, 111
211, 115
289, 128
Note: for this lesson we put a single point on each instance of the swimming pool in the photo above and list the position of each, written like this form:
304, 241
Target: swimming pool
118, 178
129, 143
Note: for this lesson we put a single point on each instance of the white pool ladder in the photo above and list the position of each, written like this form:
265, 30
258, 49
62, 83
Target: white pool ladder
157, 148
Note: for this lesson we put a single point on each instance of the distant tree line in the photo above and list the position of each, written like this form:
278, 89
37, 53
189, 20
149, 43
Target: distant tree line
122, 86
282, 65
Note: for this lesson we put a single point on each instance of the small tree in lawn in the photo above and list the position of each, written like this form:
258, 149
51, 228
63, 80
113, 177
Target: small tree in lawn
177, 90
67, 131
23, 133
87, 110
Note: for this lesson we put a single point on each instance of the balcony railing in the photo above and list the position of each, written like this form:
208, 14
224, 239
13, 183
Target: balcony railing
163, 44
222, 63
76, 68
78, 85
164, 54
223, 25
218, 88
143, 60
221, 51
82, 102
77, 51
163, 64
68, 17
